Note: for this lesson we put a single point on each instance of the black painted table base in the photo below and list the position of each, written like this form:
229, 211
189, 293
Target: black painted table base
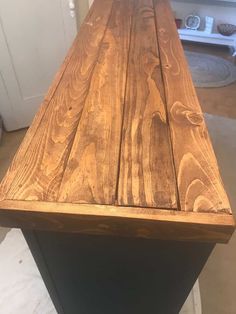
108, 275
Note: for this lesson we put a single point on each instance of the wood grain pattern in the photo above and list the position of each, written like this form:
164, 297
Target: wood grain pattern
12, 170
120, 146
119, 221
41, 169
199, 183
91, 174
146, 172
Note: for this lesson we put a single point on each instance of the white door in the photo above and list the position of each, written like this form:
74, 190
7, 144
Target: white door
34, 38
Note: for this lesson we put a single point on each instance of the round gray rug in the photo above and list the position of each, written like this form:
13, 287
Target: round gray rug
210, 71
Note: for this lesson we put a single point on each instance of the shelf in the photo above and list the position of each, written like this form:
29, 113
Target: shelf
204, 37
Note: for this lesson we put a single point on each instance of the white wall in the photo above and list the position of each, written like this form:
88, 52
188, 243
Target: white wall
222, 12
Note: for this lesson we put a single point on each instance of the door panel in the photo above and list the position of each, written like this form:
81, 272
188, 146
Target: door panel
34, 38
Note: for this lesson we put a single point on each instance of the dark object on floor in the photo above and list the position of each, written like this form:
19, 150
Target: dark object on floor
178, 23
226, 29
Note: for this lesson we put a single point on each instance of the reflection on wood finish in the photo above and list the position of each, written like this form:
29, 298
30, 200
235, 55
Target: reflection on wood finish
43, 163
199, 184
146, 170
119, 145
90, 176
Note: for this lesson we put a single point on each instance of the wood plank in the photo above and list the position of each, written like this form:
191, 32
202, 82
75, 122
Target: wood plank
147, 223
12, 170
84, 111
199, 184
91, 173
146, 172
37, 170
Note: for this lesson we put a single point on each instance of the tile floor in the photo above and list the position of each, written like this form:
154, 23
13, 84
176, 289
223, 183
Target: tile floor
218, 278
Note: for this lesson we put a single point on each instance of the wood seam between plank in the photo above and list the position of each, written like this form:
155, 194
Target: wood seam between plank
167, 116
95, 64
156, 184
211, 171
48, 104
123, 112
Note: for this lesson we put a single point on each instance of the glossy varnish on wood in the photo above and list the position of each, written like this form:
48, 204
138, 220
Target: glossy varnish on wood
41, 165
91, 174
146, 170
199, 184
120, 145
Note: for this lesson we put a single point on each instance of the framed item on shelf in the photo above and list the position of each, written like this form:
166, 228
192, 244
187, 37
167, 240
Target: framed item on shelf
209, 22
192, 21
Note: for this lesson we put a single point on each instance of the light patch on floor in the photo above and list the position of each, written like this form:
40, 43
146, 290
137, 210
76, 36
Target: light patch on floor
22, 290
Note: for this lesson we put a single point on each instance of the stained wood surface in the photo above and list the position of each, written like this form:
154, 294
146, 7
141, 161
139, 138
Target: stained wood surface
43, 161
91, 174
199, 183
146, 170
120, 138
118, 221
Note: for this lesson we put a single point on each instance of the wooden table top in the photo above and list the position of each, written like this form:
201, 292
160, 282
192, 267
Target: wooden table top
119, 145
